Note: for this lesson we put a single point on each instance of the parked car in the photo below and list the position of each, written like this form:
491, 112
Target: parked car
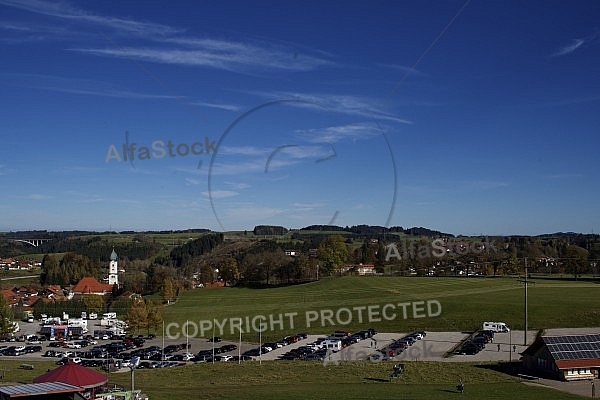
479, 341
469, 349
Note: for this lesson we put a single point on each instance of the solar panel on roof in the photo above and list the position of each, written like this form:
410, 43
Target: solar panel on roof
561, 339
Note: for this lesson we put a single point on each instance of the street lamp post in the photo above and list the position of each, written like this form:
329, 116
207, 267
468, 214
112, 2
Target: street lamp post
510, 346
240, 347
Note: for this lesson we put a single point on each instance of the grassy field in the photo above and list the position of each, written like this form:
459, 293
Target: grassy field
465, 302
10, 279
311, 380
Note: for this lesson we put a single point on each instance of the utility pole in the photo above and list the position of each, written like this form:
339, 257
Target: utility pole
525, 282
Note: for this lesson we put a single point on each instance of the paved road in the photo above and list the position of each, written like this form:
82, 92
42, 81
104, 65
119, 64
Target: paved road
580, 388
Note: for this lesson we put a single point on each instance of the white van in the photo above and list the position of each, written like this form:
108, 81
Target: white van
495, 327
332, 345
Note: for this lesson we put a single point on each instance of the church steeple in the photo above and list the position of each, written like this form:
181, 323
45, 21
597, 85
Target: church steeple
113, 270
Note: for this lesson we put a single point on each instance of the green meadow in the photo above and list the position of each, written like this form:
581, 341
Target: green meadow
465, 304
311, 380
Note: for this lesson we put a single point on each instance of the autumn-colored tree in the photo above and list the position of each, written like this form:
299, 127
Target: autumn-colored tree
153, 316
137, 317
169, 290
229, 270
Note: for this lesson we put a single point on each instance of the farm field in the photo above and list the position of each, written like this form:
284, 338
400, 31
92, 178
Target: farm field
465, 303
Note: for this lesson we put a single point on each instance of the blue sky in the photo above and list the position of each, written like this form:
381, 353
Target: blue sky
311, 111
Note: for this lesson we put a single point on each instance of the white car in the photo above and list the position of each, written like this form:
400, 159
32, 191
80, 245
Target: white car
226, 358
187, 356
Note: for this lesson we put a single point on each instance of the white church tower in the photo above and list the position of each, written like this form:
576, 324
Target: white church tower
113, 271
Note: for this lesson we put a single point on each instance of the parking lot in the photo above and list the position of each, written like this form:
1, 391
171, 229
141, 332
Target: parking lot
435, 346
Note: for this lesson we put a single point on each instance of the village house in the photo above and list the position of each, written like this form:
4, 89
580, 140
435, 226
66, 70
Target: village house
89, 285
358, 269
566, 357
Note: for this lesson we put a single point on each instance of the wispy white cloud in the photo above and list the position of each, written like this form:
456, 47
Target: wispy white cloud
239, 186
11, 26
216, 54
335, 134
221, 106
261, 158
15, 32
576, 44
247, 56
123, 94
403, 68
74, 86
306, 207
220, 194
68, 12
244, 151
192, 181
343, 104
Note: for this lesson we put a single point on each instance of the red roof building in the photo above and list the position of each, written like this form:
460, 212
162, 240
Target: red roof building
566, 357
74, 374
89, 285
